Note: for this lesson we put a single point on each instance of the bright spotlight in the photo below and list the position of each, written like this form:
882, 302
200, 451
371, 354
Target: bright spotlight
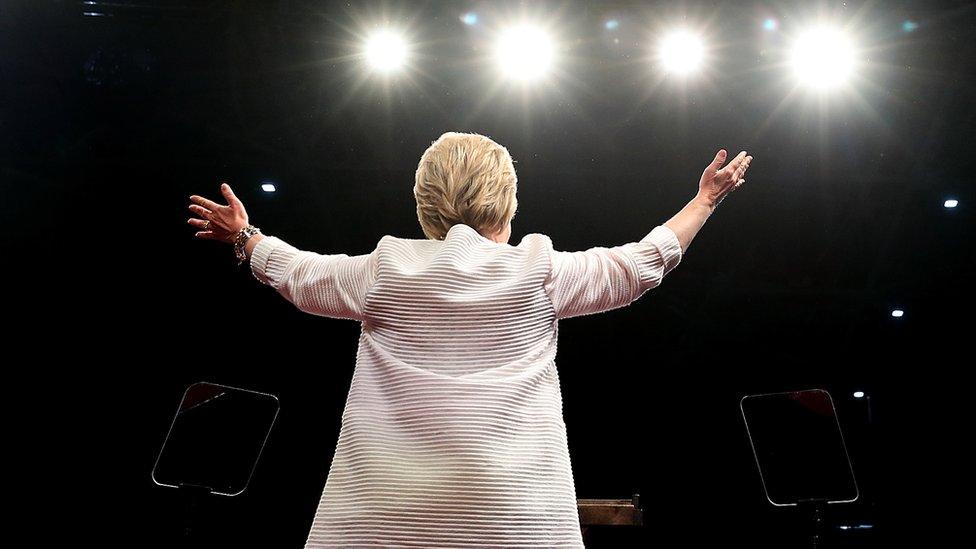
858, 394
823, 58
898, 313
268, 187
951, 203
524, 52
770, 24
681, 52
385, 50
470, 18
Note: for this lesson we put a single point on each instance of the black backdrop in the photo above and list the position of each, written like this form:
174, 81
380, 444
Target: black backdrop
110, 122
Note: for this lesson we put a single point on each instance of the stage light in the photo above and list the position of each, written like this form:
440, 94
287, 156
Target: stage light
823, 58
951, 203
897, 313
470, 18
385, 50
524, 52
268, 187
770, 24
909, 26
611, 24
681, 52
858, 394
856, 526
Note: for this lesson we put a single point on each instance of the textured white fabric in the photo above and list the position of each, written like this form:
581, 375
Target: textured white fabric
453, 433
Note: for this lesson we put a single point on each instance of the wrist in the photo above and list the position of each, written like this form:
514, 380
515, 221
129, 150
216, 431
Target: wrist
704, 202
251, 244
241, 239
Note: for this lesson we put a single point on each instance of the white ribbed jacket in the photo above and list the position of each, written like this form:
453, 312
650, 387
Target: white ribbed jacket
453, 434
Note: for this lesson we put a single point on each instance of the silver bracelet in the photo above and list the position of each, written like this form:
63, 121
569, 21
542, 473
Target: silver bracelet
240, 241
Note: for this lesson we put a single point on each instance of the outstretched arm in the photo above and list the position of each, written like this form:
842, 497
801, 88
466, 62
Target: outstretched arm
332, 285
601, 279
326, 285
715, 184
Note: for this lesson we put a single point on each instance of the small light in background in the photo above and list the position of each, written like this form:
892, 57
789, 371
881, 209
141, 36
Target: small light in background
858, 394
611, 24
951, 203
268, 187
909, 26
770, 24
470, 18
897, 313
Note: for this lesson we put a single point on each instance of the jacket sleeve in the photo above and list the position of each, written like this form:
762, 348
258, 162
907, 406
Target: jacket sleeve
600, 279
326, 285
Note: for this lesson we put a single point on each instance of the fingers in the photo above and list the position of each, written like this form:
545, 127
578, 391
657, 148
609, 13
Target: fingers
201, 211
743, 166
740, 173
209, 204
198, 223
733, 166
737, 176
206, 235
737, 161
719, 159
229, 195
740, 169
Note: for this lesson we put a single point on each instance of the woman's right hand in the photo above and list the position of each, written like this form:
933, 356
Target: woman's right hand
717, 182
218, 221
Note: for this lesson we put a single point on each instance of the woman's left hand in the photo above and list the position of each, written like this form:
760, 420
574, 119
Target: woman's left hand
217, 221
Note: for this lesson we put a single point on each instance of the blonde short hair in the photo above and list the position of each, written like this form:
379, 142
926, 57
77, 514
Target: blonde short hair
465, 178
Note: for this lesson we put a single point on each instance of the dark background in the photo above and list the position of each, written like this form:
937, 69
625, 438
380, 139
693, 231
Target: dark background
109, 122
